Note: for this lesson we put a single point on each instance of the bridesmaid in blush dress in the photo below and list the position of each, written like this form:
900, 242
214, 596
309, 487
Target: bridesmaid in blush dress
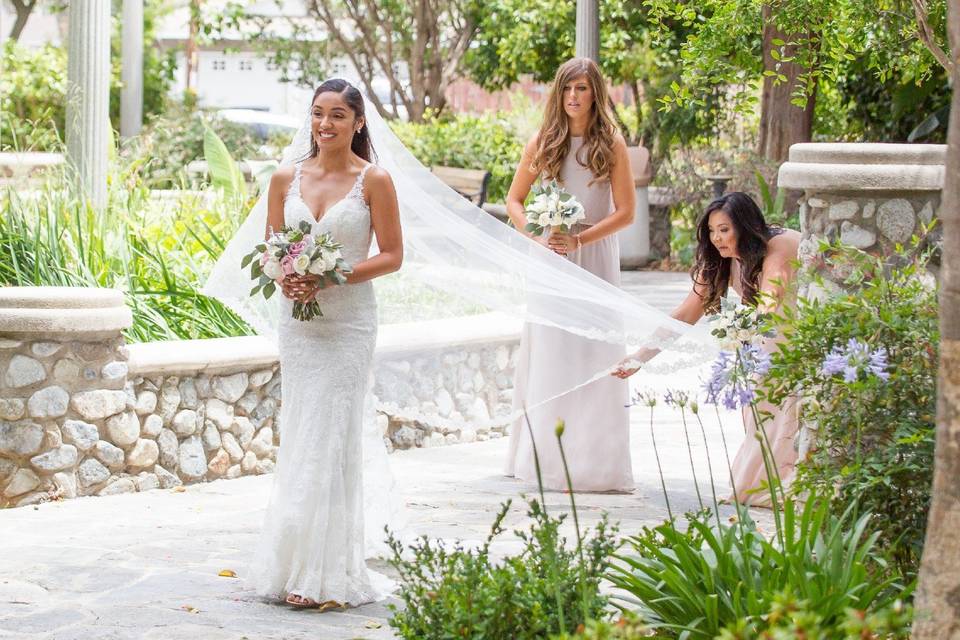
579, 146
737, 249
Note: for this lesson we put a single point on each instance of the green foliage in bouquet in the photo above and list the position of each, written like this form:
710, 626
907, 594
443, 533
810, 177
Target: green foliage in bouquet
873, 439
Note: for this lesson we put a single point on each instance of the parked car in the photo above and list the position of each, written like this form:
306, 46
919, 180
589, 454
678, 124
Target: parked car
263, 124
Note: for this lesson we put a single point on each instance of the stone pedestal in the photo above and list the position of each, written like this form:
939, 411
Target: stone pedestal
634, 241
868, 195
63, 367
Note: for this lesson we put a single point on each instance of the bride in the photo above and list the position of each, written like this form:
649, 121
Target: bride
311, 551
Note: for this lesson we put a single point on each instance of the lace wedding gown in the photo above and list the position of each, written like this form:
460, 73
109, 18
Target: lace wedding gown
312, 542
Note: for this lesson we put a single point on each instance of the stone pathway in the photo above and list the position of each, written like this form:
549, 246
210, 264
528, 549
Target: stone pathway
145, 565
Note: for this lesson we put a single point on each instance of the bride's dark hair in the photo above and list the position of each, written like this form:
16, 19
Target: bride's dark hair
361, 144
711, 271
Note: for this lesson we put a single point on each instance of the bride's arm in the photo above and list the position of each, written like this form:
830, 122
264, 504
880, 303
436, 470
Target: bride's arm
523, 179
385, 220
279, 185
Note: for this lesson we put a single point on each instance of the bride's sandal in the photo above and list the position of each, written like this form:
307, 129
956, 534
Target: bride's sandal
298, 601
331, 604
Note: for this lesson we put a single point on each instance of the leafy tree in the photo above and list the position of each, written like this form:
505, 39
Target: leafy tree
787, 49
937, 610
417, 46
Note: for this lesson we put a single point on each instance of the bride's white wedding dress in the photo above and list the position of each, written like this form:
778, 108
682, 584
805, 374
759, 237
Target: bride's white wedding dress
312, 542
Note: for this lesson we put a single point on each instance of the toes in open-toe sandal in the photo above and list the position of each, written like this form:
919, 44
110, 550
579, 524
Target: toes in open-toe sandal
295, 600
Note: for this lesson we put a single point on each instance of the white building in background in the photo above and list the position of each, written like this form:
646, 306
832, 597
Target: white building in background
229, 74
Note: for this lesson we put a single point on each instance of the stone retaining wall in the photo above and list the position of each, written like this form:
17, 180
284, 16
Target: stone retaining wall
81, 413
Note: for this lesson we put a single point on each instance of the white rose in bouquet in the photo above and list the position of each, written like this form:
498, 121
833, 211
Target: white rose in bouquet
301, 263
272, 269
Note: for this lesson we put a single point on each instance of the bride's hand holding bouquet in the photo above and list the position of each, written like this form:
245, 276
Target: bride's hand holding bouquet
300, 263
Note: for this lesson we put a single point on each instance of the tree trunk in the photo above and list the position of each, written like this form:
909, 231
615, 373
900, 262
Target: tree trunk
782, 123
24, 9
938, 594
191, 54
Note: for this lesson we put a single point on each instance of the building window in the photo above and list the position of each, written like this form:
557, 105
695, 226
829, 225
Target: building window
219, 65
246, 65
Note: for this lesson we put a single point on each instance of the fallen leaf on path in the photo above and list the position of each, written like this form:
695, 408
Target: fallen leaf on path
179, 489
370, 624
228, 573
190, 609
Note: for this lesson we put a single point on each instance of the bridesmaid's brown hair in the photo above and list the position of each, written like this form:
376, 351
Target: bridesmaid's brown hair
553, 140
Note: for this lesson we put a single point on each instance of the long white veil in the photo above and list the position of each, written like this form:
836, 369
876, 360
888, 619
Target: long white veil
456, 247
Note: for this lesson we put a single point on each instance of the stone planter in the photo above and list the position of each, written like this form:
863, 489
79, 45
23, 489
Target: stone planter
868, 195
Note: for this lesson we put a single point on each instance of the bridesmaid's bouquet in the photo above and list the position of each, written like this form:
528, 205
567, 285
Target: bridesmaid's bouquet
295, 251
552, 207
739, 325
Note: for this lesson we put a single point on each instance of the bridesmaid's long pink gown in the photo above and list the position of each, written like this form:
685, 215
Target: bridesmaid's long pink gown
597, 436
780, 429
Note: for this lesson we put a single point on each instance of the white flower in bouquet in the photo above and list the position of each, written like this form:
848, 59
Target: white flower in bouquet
301, 263
272, 269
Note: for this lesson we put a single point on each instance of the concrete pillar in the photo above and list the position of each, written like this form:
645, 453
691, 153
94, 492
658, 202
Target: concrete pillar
634, 240
88, 95
131, 73
588, 29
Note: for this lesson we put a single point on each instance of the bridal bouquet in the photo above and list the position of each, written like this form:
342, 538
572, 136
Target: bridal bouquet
552, 207
294, 251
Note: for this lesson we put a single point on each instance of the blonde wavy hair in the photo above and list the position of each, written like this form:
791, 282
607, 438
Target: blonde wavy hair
553, 140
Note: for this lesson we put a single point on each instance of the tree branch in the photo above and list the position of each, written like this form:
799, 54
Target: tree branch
927, 36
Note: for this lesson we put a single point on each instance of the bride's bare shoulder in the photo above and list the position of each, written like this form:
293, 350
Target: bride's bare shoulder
282, 177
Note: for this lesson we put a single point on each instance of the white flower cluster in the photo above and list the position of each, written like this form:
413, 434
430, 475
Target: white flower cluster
552, 206
738, 325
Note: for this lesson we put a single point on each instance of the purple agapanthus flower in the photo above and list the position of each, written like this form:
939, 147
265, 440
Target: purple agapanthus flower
675, 398
732, 376
856, 358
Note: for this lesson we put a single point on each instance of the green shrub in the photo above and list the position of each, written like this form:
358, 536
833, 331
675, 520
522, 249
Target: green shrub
158, 253
698, 582
32, 90
172, 140
457, 592
487, 141
874, 438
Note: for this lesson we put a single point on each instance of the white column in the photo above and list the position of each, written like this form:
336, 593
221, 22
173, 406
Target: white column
588, 29
88, 95
131, 72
